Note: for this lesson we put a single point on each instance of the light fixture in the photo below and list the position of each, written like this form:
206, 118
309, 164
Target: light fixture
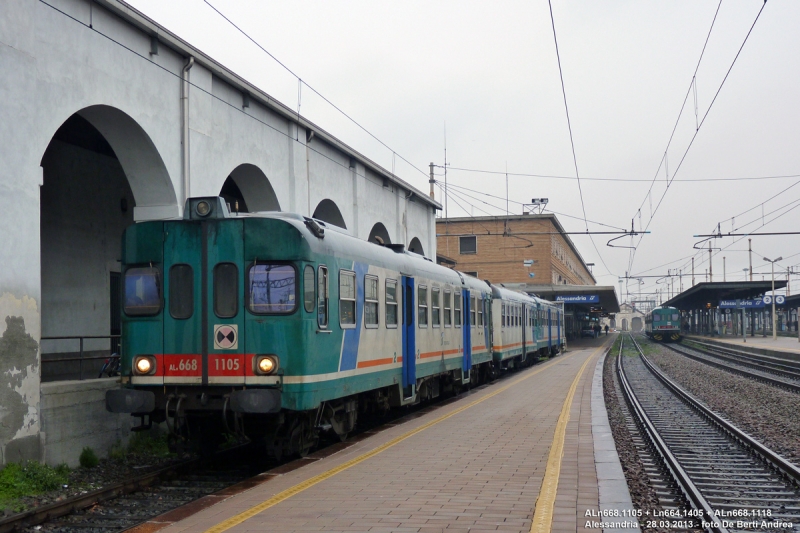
203, 208
265, 364
144, 365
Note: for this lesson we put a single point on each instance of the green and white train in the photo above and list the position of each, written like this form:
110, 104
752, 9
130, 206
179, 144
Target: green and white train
277, 326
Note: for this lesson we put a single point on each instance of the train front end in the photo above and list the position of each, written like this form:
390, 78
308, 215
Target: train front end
206, 333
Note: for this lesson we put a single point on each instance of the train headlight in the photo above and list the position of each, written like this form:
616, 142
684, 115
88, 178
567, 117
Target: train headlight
144, 365
203, 208
265, 364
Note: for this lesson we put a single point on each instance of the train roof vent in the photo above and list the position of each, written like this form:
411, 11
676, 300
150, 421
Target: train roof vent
315, 227
397, 248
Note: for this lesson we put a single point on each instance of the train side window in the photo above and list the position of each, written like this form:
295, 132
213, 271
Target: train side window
308, 289
448, 308
142, 291
322, 297
391, 303
181, 291
347, 299
422, 311
271, 289
371, 301
436, 315
472, 310
480, 311
457, 309
503, 315
226, 289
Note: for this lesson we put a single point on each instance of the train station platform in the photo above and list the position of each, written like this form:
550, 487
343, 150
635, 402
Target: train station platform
532, 452
785, 347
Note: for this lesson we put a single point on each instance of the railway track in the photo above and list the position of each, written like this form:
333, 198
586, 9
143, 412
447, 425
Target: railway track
778, 374
732, 481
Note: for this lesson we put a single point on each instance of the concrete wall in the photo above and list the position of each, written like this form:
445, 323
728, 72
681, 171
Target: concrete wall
60, 62
74, 416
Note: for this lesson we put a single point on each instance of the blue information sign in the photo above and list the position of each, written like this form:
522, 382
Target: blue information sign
758, 303
579, 299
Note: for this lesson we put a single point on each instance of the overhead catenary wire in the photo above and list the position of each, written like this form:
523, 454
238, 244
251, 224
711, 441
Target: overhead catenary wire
300, 81
702, 121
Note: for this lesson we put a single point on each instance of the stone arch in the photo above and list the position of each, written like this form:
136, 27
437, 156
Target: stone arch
328, 211
636, 324
379, 234
416, 246
624, 324
101, 171
250, 187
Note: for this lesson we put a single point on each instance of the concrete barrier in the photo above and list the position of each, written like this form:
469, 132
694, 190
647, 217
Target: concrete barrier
73, 415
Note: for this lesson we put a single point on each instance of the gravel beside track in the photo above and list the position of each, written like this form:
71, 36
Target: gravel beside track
642, 493
766, 412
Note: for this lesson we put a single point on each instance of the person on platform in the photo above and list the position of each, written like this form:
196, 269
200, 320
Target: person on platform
606, 328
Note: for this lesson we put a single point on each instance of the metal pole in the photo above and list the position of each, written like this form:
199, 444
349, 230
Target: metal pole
80, 361
692, 271
774, 318
750, 254
744, 327
723, 269
710, 266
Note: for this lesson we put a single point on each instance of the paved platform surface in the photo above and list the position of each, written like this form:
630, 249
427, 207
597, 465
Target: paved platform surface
782, 344
475, 465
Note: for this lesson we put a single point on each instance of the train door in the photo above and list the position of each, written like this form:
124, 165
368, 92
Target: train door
523, 326
558, 329
467, 324
223, 299
183, 310
549, 331
409, 339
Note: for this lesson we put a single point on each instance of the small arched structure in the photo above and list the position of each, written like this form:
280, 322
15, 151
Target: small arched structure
636, 324
328, 211
248, 186
416, 246
378, 234
99, 170
624, 324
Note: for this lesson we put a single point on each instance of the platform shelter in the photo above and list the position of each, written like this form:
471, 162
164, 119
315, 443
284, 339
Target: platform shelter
731, 308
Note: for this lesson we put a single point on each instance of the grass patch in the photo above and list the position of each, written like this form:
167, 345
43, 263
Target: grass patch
145, 443
28, 479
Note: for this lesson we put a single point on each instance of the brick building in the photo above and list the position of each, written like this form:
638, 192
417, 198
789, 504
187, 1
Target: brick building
498, 249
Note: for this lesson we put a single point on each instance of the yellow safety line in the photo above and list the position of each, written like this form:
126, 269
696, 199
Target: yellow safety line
543, 513
300, 487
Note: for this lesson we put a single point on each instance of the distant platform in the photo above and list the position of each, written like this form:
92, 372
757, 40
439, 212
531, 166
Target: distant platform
782, 347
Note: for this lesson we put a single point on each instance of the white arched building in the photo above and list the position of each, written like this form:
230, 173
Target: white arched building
106, 119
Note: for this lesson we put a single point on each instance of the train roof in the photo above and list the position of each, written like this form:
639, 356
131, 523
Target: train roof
340, 243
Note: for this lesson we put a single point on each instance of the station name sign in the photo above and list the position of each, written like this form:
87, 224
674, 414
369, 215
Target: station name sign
758, 303
579, 299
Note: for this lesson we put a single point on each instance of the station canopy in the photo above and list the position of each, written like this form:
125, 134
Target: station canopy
702, 294
586, 298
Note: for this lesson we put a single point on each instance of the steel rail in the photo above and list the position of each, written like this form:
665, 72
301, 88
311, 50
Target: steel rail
39, 515
773, 363
772, 457
689, 489
794, 387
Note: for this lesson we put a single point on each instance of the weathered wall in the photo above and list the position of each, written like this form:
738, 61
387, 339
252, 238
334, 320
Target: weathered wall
74, 416
60, 62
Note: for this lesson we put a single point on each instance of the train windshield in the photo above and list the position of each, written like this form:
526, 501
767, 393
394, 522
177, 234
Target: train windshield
272, 289
142, 291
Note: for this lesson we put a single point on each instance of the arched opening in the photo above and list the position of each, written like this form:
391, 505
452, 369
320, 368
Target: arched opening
613, 323
99, 168
379, 235
636, 324
249, 188
416, 247
624, 324
328, 211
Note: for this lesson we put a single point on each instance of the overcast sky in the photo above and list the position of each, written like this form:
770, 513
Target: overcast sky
487, 74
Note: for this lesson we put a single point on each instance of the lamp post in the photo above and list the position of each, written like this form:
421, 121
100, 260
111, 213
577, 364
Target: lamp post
774, 318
